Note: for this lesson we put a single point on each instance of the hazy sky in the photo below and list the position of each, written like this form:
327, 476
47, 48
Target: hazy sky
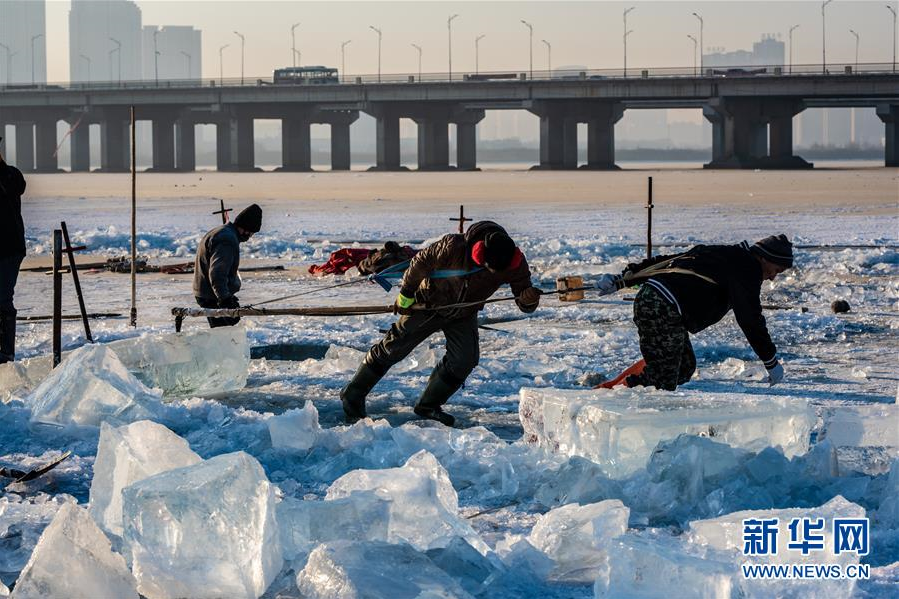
581, 33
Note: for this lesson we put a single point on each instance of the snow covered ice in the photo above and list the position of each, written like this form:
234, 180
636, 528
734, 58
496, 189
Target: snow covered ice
204, 531
74, 559
374, 570
126, 455
619, 429
89, 387
195, 362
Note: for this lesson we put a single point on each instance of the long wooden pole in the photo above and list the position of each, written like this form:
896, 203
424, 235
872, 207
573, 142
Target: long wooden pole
649, 220
71, 253
133, 222
57, 297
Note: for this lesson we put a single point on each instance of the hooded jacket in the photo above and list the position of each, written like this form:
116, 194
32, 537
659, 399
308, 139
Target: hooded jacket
215, 269
12, 229
453, 252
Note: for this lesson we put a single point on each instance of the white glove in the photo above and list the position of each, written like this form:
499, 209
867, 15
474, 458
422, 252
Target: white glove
776, 374
607, 284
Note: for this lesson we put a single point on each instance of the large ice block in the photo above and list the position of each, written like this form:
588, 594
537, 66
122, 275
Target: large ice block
577, 537
296, 429
23, 376
619, 428
207, 530
424, 509
126, 455
74, 559
363, 516
868, 425
21, 524
197, 362
372, 570
89, 387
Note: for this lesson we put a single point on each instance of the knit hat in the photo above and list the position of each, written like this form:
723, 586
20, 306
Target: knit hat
250, 218
499, 250
776, 249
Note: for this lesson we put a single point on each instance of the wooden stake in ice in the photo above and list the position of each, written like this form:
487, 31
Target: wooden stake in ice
133, 223
224, 212
649, 221
57, 297
462, 220
71, 253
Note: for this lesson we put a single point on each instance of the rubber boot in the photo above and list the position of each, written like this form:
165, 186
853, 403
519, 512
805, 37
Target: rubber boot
7, 336
440, 387
353, 395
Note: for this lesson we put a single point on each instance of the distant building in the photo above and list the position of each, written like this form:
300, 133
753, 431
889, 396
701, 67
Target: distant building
769, 51
21, 21
180, 53
93, 55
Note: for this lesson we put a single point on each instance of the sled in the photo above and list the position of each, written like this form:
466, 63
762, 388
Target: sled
635, 368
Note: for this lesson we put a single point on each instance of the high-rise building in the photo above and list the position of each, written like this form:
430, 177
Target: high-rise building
23, 42
767, 52
180, 53
104, 41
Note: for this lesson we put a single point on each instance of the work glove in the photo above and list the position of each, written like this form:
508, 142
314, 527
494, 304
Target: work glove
775, 374
608, 284
403, 304
230, 303
530, 297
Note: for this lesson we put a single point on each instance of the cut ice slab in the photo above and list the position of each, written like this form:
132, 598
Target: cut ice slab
207, 530
74, 559
23, 376
198, 362
425, 508
619, 429
296, 429
126, 455
869, 425
89, 387
374, 570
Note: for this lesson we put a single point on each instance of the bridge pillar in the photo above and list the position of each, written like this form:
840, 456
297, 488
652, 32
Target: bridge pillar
340, 138
433, 144
558, 137
467, 139
25, 146
185, 145
164, 144
601, 137
223, 145
296, 146
45, 140
889, 114
234, 144
115, 152
387, 143
80, 146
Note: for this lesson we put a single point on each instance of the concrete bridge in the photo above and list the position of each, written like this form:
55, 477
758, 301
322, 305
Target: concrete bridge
751, 115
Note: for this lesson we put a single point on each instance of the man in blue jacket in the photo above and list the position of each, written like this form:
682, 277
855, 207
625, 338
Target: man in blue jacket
12, 252
689, 292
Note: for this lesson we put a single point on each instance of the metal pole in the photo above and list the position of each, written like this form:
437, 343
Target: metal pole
133, 222
626, 33
8, 61
221, 64
824, 37
57, 297
242, 42
343, 58
119, 50
88, 60
71, 252
549, 58
649, 207
417, 47
853, 32
694, 53
791, 46
156, 55
530, 48
701, 43
477, 58
189, 58
893, 10
293, 42
449, 33
378, 31
33, 38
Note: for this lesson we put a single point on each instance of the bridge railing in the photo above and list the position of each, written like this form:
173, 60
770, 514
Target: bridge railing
840, 69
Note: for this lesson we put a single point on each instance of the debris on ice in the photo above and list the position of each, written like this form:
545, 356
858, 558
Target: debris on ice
74, 559
203, 531
126, 455
296, 429
198, 362
868, 425
373, 570
89, 387
619, 429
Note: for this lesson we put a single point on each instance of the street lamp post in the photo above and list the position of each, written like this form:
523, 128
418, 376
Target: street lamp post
118, 50
8, 61
530, 48
549, 57
701, 42
242, 45
824, 37
88, 61
343, 58
694, 53
293, 43
378, 31
626, 33
33, 38
449, 33
188, 57
417, 47
477, 58
790, 35
893, 10
857, 39
156, 55
222, 64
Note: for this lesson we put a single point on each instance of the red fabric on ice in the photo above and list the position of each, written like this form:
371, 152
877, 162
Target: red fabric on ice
341, 261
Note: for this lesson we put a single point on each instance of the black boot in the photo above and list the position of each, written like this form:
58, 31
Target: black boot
7, 336
440, 387
353, 395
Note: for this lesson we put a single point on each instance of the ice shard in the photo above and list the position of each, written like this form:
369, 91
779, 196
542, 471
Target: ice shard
296, 429
126, 455
372, 570
23, 376
203, 531
89, 387
74, 559
619, 429
198, 362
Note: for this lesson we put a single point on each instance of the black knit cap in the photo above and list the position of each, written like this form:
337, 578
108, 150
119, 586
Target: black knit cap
776, 249
250, 218
499, 249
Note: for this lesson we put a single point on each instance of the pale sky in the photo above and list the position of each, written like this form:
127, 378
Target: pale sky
581, 33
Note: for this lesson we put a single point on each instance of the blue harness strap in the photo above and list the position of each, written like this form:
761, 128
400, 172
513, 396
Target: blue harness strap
387, 277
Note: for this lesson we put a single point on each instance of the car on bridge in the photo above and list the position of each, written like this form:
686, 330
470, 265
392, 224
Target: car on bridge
317, 75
